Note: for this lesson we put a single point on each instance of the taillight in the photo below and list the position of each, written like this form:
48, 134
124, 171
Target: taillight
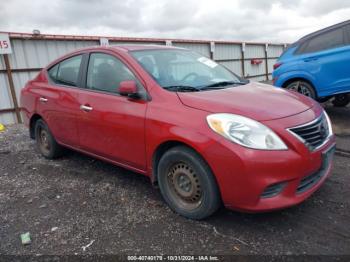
277, 65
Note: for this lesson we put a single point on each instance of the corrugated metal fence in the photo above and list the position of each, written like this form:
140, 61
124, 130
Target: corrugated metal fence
33, 52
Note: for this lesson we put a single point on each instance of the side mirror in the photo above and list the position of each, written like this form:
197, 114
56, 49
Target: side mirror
128, 88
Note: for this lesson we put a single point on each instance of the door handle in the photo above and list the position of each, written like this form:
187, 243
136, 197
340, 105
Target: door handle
310, 59
43, 99
86, 108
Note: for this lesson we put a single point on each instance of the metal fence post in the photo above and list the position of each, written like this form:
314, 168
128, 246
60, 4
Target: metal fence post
212, 50
266, 62
12, 87
242, 60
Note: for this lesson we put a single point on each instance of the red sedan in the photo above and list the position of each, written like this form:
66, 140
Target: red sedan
200, 132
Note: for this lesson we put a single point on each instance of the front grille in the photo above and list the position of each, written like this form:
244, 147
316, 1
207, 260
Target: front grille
313, 134
272, 190
311, 180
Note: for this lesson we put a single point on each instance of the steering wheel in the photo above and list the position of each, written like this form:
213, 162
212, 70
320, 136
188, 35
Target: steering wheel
195, 75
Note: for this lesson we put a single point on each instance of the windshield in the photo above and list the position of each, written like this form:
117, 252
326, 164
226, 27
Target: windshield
184, 70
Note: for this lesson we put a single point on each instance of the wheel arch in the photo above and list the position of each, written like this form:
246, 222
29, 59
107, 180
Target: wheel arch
294, 79
291, 80
35, 117
164, 147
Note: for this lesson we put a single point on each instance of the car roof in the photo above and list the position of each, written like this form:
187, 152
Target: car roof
136, 47
120, 47
128, 47
324, 30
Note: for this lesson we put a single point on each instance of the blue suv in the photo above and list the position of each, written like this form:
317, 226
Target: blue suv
318, 65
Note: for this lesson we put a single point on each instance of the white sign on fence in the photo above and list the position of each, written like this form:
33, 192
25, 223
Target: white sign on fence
5, 45
104, 41
212, 47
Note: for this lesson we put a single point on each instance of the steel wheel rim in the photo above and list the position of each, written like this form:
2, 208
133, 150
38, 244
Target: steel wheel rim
184, 185
300, 88
44, 140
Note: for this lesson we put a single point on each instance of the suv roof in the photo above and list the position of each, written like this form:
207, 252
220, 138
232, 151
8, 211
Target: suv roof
339, 25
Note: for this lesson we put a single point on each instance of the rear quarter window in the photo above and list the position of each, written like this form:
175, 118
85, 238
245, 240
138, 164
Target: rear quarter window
53, 72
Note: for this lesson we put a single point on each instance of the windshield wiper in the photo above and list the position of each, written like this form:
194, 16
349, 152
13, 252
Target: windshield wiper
223, 83
182, 88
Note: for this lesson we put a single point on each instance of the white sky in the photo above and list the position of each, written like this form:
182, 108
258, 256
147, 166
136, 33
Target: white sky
279, 21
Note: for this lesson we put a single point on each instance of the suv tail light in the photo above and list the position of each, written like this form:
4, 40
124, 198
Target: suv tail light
277, 65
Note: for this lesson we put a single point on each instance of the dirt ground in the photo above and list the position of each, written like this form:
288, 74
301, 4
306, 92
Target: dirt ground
69, 203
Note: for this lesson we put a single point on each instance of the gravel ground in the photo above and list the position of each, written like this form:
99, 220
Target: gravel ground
340, 117
69, 203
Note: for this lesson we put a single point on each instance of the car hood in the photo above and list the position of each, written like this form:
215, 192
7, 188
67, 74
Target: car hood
254, 100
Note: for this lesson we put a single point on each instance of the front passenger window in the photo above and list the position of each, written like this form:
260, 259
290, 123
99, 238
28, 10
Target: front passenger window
105, 72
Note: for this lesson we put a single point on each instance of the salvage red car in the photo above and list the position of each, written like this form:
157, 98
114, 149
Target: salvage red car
200, 132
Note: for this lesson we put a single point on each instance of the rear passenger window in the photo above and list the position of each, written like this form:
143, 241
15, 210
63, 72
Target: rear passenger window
67, 71
105, 72
329, 40
347, 35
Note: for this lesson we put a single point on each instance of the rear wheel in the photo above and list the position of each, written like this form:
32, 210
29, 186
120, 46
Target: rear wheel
341, 100
302, 87
187, 183
46, 143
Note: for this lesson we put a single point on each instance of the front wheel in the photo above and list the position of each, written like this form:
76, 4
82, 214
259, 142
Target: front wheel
302, 87
341, 100
323, 99
187, 183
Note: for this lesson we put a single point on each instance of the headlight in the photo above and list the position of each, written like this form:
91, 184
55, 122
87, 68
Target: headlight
329, 124
245, 131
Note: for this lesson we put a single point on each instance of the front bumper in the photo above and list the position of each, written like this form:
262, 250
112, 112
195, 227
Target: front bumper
295, 187
245, 175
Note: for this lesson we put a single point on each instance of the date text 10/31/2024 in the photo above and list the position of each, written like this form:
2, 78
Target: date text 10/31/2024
172, 258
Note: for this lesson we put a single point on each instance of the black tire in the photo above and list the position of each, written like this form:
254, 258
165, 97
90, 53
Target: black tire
341, 100
45, 141
196, 199
302, 87
323, 99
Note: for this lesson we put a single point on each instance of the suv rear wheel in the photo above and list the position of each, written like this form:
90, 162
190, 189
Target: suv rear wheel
302, 87
187, 183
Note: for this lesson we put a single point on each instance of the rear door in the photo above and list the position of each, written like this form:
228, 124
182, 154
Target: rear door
111, 125
58, 101
327, 58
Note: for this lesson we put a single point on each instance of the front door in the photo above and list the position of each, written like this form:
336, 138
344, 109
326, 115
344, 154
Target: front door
111, 125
